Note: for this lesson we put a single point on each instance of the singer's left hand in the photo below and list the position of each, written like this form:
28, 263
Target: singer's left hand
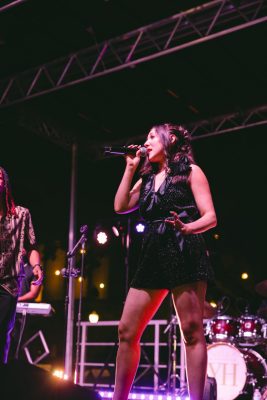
133, 160
135, 147
38, 273
177, 223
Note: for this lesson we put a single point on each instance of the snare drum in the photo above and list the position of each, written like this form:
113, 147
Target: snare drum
250, 330
236, 371
222, 328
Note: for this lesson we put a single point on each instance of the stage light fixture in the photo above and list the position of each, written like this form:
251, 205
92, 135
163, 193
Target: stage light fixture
60, 374
140, 227
115, 231
93, 317
146, 396
244, 275
102, 237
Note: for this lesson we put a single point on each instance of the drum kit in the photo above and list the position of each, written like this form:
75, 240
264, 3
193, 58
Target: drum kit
237, 351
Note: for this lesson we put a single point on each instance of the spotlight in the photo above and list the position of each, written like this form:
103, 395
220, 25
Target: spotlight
100, 234
140, 227
93, 317
244, 275
60, 374
115, 231
213, 304
102, 237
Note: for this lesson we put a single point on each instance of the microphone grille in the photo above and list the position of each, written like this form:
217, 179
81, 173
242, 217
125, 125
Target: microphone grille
143, 151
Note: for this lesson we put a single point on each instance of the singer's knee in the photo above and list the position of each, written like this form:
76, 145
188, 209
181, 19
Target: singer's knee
192, 332
128, 335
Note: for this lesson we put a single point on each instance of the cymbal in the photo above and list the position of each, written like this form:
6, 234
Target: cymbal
209, 311
261, 288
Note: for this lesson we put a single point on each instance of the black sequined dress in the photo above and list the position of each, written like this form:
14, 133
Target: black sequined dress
168, 258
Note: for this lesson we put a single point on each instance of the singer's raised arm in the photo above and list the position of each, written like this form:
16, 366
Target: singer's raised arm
126, 199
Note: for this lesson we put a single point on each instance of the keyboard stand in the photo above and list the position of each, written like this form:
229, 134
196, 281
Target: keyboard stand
21, 330
38, 335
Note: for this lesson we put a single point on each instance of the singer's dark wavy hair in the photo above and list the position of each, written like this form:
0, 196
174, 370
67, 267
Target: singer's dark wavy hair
9, 204
175, 151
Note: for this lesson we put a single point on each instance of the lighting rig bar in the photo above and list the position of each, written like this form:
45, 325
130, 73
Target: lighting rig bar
191, 27
228, 123
223, 124
10, 4
219, 125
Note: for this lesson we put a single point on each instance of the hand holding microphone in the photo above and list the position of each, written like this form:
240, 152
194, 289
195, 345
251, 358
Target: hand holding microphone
126, 150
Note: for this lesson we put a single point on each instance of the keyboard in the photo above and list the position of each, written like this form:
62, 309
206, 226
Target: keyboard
34, 308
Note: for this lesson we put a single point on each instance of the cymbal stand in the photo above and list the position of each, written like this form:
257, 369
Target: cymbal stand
223, 305
172, 377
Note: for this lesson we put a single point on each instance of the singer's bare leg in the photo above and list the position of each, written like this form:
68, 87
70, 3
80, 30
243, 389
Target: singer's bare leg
139, 308
189, 303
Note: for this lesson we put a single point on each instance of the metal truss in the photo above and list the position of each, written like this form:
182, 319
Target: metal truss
232, 122
11, 4
197, 25
45, 127
227, 123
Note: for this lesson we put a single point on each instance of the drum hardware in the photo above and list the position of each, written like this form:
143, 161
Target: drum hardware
222, 328
172, 376
209, 311
250, 329
237, 353
175, 384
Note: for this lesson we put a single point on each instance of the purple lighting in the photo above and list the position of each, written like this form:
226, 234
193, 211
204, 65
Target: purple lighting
140, 227
146, 396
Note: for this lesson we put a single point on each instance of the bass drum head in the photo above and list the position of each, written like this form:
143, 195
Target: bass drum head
227, 365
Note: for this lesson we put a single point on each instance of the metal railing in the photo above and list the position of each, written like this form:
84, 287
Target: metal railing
155, 344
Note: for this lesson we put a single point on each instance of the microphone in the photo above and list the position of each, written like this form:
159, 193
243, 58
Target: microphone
122, 150
84, 229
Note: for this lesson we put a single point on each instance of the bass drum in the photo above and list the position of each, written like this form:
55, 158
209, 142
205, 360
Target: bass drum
236, 371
